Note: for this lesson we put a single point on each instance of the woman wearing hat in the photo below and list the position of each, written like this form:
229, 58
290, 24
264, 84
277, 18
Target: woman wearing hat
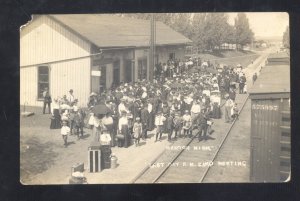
108, 122
122, 107
98, 127
92, 100
71, 97
56, 118
228, 105
123, 131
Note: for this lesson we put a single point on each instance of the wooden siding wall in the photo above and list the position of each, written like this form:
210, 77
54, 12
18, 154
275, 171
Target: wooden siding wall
265, 138
45, 40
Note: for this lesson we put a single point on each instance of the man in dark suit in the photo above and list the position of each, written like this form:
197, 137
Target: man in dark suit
47, 100
145, 120
202, 125
232, 94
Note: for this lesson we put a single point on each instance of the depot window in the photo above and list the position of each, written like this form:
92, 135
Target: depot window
142, 68
43, 80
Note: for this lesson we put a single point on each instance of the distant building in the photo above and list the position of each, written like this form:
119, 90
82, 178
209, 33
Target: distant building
264, 45
88, 53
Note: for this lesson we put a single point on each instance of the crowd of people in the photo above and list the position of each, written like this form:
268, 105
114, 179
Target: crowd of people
183, 97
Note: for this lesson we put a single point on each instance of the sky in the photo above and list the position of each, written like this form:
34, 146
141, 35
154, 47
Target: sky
265, 24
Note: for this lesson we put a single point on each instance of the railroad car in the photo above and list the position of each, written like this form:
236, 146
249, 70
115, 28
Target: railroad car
270, 125
280, 58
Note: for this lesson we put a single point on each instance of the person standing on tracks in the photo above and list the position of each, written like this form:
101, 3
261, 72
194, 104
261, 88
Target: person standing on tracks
177, 124
169, 125
195, 110
254, 78
187, 124
144, 121
235, 112
232, 94
242, 82
228, 106
159, 122
202, 125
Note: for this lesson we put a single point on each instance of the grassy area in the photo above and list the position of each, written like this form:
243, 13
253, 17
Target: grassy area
230, 57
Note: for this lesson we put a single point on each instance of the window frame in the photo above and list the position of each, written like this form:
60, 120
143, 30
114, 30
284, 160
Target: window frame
144, 60
39, 82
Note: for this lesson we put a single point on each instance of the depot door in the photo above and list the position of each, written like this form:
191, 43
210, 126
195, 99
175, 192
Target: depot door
127, 71
116, 73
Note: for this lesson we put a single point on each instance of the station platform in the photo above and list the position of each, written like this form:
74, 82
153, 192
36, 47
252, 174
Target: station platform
53, 162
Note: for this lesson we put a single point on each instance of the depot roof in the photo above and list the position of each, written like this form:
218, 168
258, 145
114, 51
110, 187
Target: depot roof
107, 30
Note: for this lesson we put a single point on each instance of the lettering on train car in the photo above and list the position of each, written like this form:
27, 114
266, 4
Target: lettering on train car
264, 107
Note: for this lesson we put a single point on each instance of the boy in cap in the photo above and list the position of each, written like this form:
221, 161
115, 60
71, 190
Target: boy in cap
78, 121
235, 112
65, 130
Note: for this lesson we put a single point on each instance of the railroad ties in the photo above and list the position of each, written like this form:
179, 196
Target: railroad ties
190, 161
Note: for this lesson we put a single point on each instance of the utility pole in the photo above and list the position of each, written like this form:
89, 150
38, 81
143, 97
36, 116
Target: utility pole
152, 47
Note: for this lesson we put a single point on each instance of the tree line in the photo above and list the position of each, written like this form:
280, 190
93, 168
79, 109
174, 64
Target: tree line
286, 38
208, 31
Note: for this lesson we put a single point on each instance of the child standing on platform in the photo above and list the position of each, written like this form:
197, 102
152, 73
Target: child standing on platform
137, 131
187, 124
235, 112
65, 130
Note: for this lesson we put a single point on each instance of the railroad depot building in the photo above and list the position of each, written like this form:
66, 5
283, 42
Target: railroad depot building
88, 53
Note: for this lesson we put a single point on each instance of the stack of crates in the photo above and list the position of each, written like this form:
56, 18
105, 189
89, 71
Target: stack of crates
94, 157
105, 156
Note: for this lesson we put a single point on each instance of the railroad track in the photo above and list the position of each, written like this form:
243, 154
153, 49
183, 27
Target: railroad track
192, 159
